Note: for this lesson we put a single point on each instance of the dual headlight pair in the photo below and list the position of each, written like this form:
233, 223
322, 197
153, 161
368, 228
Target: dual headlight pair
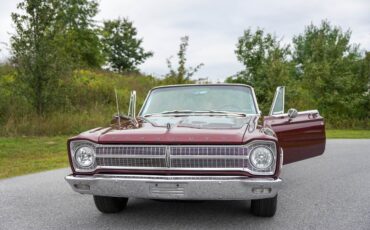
262, 157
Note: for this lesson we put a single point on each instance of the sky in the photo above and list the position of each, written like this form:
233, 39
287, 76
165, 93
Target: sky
214, 26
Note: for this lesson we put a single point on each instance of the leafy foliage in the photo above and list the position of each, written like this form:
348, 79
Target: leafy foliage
36, 51
123, 49
323, 70
79, 33
266, 64
89, 102
333, 70
182, 74
52, 38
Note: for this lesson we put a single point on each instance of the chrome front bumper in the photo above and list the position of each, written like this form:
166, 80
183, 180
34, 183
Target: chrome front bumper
176, 187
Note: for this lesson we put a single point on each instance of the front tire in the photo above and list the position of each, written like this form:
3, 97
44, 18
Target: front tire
106, 204
264, 207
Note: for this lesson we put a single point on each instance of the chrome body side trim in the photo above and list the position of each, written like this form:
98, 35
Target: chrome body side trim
176, 187
313, 111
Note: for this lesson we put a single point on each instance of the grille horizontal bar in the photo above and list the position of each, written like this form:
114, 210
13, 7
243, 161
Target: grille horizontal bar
130, 162
131, 150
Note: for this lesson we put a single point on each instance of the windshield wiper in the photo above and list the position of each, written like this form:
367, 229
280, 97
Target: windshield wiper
222, 112
187, 112
169, 112
201, 111
177, 111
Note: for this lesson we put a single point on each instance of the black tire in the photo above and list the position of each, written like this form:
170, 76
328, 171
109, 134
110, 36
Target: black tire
264, 207
107, 204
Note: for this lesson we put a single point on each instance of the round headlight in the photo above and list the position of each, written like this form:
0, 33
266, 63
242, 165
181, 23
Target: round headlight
261, 157
85, 156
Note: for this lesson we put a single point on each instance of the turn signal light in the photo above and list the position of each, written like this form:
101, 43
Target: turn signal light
261, 190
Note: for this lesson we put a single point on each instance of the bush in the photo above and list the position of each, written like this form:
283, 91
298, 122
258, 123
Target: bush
87, 100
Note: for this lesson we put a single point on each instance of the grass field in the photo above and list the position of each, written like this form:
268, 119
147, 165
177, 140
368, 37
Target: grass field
23, 155
350, 134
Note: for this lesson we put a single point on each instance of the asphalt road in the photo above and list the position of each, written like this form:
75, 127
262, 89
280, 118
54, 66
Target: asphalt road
328, 192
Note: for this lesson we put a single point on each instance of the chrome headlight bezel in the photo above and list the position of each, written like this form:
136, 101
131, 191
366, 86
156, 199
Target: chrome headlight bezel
261, 157
78, 145
270, 146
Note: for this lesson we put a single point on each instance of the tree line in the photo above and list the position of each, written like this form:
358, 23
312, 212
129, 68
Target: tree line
321, 69
58, 49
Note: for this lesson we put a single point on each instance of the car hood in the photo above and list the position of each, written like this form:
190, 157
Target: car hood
181, 130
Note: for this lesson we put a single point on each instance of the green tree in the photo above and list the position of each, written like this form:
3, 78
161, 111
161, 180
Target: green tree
51, 39
79, 35
123, 49
332, 71
182, 74
36, 53
266, 64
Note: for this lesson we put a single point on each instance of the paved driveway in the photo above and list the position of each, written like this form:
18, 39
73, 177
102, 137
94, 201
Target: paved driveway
328, 192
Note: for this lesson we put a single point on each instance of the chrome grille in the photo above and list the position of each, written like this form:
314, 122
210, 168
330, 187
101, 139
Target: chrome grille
177, 157
131, 156
208, 157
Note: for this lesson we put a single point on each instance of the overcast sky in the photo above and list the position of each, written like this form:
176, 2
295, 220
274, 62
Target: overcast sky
214, 26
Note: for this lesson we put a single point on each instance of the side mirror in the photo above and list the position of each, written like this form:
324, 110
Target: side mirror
292, 113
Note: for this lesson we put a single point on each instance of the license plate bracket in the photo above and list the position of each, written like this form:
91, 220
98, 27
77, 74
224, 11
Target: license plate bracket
165, 189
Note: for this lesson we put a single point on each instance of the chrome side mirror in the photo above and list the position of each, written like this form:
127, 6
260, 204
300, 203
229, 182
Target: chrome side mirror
292, 113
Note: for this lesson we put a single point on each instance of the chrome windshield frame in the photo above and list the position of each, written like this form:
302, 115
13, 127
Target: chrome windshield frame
258, 112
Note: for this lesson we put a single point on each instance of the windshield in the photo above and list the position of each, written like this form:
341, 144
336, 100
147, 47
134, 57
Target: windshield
202, 98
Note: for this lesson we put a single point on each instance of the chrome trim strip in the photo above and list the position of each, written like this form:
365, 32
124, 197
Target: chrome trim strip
168, 157
171, 177
309, 111
313, 111
178, 145
173, 168
130, 156
255, 100
281, 159
208, 157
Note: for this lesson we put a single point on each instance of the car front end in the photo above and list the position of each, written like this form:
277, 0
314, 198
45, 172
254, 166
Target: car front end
188, 142
186, 172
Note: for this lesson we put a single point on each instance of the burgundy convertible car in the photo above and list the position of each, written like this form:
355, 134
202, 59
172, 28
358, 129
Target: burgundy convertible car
194, 142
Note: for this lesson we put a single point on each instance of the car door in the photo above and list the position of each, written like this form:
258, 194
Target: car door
300, 134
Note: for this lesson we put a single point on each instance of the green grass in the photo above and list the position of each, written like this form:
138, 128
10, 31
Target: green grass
23, 155
350, 134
